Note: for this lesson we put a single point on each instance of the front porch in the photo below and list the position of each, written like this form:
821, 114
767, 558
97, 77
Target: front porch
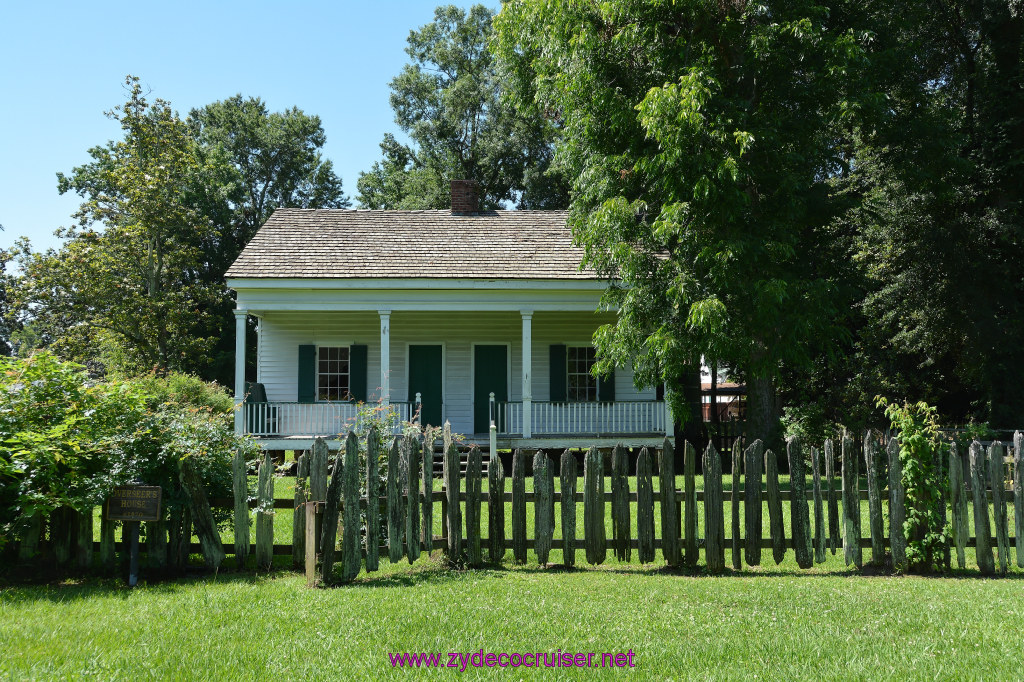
292, 425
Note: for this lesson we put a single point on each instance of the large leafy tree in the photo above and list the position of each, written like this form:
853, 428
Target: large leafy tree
448, 101
166, 210
702, 139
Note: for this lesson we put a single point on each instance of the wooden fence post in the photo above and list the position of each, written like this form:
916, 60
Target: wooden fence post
351, 554
265, 513
669, 508
897, 507
872, 457
474, 468
819, 511
427, 452
833, 502
1018, 495
318, 485
775, 523
995, 460
298, 512
396, 514
29, 546
593, 507
620, 503
644, 507
83, 554
452, 484
714, 521
799, 517
958, 502
567, 476
496, 509
411, 446
329, 532
310, 543
240, 488
108, 555
690, 504
752, 501
61, 522
851, 505
372, 503
519, 507
206, 527
737, 467
156, 542
543, 506
982, 529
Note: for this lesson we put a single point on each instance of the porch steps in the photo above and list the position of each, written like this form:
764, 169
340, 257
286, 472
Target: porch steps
463, 464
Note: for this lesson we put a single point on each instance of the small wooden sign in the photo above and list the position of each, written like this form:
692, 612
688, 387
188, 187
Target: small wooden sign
134, 503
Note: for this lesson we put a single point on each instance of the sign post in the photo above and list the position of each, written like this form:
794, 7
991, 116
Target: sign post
132, 504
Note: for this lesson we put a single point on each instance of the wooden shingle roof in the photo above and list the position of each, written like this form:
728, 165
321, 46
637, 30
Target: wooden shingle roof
335, 243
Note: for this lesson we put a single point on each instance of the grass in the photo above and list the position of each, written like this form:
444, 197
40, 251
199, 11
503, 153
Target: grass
778, 625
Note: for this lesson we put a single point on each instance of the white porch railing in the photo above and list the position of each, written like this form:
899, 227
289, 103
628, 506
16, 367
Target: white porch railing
308, 419
634, 417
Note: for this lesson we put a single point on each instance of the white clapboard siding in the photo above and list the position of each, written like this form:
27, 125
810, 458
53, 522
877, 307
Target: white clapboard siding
281, 334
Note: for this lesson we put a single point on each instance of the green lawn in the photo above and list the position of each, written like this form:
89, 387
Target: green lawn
777, 625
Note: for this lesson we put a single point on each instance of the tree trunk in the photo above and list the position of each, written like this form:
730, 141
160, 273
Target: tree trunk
763, 413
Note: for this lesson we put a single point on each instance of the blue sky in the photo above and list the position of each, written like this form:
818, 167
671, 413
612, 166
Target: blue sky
64, 65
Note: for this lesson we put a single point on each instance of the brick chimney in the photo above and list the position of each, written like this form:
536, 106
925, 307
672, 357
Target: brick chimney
464, 197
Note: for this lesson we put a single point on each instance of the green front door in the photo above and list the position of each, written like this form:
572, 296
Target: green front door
490, 374
425, 378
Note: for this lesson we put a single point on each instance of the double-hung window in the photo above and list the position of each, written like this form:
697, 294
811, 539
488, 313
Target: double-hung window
333, 373
581, 384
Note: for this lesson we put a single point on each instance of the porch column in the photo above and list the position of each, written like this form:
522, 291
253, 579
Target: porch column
240, 329
385, 356
527, 372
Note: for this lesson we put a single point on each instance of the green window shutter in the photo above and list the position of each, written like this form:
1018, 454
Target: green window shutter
606, 388
307, 374
357, 373
558, 376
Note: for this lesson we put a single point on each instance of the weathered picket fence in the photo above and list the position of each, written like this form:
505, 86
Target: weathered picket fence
408, 503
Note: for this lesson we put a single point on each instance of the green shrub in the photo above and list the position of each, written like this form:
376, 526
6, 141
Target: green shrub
917, 427
66, 440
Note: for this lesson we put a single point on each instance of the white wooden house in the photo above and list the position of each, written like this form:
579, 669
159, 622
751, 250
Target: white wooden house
447, 307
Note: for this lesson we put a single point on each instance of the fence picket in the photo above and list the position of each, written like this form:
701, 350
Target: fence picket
567, 474
982, 529
995, 459
108, 555
714, 521
519, 507
799, 518
240, 488
669, 509
830, 493
958, 502
414, 456
495, 509
318, 486
329, 531
620, 504
543, 506
819, 511
473, 484
593, 507
775, 523
872, 464
752, 501
83, 555
897, 506
202, 515
851, 505
427, 528
372, 504
1018, 495
298, 513
690, 504
737, 562
265, 513
351, 554
644, 507
396, 513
